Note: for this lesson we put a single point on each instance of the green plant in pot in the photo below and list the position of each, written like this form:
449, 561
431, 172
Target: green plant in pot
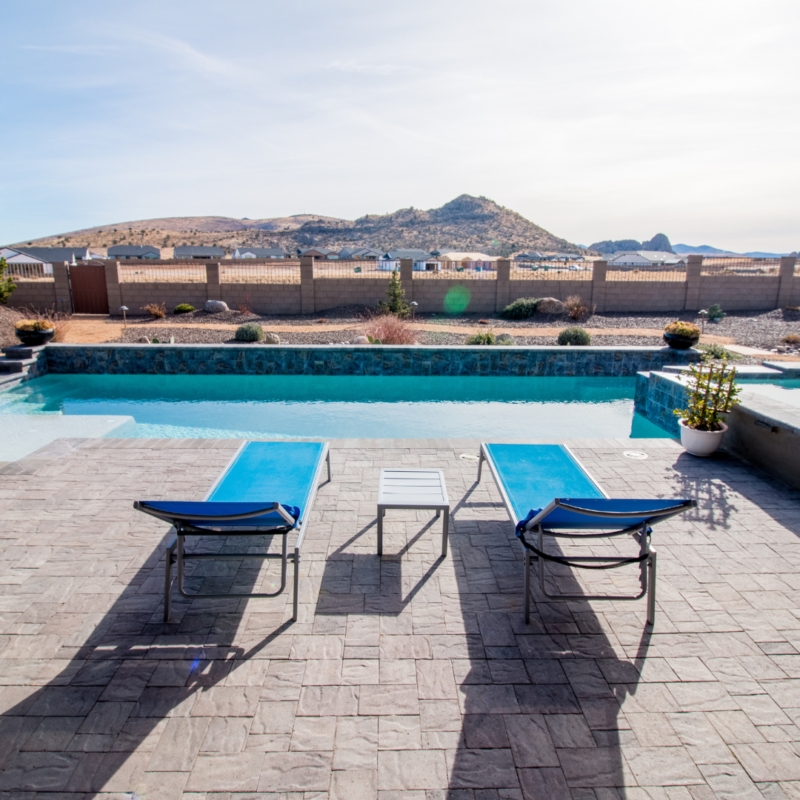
681, 335
34, 332
712, 393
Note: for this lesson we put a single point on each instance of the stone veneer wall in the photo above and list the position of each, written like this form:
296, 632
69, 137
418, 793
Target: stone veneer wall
657, 396
366, 360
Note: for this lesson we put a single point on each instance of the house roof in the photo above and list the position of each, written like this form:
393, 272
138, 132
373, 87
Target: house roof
48, 255
122, 250
324, 251
653, 256
199, 251
262, 252
459, 255
414, 255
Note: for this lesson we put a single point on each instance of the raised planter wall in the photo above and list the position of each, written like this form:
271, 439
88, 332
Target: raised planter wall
134, 359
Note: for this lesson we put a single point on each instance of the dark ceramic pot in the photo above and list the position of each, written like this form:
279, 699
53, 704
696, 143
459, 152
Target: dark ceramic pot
680, 342
35, 338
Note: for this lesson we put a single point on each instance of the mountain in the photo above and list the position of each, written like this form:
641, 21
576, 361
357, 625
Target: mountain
466, 223
707, 250
660, 243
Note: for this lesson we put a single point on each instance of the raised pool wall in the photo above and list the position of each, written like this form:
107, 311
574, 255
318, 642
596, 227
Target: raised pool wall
201, 359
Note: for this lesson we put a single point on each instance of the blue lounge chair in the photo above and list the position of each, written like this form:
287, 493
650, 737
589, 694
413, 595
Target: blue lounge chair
547, 492
267, 488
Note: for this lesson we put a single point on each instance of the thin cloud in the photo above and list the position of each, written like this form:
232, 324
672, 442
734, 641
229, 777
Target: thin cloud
74, 49
365, 68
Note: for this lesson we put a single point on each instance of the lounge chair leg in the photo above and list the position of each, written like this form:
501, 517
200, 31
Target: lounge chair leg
480, 464
328, 459
651, 589
445, 530
296, 588
170, 553
527, 587
381, 512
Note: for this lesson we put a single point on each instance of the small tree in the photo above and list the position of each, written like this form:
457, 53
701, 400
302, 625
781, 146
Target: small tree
396, 303
6, 284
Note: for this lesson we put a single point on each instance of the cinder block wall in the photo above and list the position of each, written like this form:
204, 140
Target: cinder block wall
635, 296
137, 295
38, 295
332, 292
739, 292
560, 289
264, 298
795, 301
431, 294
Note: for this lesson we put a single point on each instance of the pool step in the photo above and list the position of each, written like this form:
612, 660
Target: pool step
18, 360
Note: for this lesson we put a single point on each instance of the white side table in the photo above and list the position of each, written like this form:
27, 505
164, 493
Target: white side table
413, 488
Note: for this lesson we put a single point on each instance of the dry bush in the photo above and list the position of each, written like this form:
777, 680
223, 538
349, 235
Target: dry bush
55, 319
388, 329
792, 338
156, 310
577, 307
244, 308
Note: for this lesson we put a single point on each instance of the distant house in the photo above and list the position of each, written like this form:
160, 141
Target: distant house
531, 256
199, 252
360, 254
131, 251
46, 256
259, 252
421, 260
564, 257
461, 256
320, 253
646, 258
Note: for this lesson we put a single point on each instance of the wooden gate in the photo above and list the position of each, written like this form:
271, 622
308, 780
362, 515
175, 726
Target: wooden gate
89, 293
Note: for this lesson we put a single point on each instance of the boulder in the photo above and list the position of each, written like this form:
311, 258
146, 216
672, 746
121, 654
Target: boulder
549, 305
505, 337
361, 340
143, 340
271, 338
216, 306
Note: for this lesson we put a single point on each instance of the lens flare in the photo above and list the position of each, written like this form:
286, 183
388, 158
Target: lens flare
456, 300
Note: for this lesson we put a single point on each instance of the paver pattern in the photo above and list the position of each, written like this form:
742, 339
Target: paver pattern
407, 678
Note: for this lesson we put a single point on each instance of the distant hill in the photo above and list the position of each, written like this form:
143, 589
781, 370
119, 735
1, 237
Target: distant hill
707, 250
660, 243
466, 223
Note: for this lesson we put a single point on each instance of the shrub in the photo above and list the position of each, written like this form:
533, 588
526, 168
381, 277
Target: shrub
685, 329
718, 352
574, 337
712, 391
482, 338
792, 338
6, 284
395, 302
249, 332
183, 308
156, 310
45, 321
32, 325
523, 308
576, 307
715, 312
388, 329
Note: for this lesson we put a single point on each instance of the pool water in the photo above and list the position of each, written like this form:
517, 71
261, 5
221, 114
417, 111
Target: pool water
332, 407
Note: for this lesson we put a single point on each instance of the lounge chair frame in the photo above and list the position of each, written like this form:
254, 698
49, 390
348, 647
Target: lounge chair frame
176, 551
640, 532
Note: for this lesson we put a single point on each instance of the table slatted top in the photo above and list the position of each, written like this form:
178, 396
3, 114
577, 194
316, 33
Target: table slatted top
412, 487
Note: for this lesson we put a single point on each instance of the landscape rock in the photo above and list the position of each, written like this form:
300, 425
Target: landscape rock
271, 338
361, 340
505, 337
143, 340
216, 306
549, 305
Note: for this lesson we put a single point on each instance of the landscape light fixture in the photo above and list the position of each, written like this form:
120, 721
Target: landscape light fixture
414, 305
123, 309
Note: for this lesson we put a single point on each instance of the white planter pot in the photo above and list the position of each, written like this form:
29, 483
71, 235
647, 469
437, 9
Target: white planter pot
701, 443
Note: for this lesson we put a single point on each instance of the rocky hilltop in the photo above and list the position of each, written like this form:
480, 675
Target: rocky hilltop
466, 223
660, 243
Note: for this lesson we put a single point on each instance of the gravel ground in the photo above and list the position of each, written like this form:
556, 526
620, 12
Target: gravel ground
212, 336
8, 316
764, 329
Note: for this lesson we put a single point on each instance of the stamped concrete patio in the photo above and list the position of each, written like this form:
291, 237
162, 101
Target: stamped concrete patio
410, 678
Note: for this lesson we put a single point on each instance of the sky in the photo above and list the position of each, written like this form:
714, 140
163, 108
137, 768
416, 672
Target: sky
596, 120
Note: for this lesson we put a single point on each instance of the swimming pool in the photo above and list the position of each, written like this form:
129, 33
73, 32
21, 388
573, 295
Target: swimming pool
332, 407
